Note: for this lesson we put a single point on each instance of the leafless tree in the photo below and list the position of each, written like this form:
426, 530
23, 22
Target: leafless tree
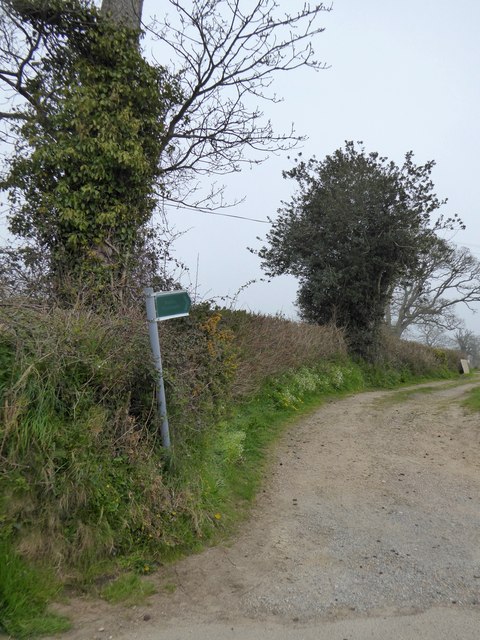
469, 344
224, 58
221, 56
431, 335
445, 277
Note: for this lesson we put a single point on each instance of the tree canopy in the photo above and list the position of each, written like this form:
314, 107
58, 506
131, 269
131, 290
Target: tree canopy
103, 134
356, 224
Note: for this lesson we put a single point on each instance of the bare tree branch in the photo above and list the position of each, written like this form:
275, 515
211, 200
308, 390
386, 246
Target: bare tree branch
224, 60
30, 30
20, 50
469, 344
224, 55
446, 276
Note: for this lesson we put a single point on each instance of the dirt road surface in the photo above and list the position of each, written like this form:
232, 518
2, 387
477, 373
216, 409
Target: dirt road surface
368, 526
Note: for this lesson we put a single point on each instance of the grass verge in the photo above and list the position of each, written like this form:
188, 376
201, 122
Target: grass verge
25, 592
472, 402
215, 482
129, 589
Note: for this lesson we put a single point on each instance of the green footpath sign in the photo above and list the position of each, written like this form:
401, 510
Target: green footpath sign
172, 304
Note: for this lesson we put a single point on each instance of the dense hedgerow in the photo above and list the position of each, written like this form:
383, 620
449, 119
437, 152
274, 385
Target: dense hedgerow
83, 472
271, 345
400, 361
83, 476
82, 467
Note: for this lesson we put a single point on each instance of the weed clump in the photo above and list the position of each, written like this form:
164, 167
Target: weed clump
129, 589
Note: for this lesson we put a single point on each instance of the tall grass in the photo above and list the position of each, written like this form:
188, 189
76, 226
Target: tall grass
24, 595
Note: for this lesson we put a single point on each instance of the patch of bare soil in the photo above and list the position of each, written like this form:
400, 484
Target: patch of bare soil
370, 515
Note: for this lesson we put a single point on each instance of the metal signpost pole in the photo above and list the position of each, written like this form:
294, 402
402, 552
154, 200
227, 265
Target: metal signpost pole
157, 357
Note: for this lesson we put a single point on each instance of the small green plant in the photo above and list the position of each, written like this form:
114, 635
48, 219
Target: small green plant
169, 587
24, 595
128, 588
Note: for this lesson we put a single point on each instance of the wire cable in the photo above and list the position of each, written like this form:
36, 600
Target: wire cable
230, 215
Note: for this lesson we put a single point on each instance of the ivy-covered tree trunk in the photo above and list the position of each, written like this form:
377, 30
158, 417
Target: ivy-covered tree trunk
84, 176
125, 12
95, 119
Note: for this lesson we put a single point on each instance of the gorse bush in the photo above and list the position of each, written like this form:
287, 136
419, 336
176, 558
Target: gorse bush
200, 360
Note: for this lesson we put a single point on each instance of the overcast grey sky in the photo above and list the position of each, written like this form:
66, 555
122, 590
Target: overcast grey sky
404, 75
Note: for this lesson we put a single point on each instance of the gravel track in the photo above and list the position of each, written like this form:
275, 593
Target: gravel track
368, 526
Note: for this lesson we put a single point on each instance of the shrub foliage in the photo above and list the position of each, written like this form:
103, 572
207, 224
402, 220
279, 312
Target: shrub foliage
357, 224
